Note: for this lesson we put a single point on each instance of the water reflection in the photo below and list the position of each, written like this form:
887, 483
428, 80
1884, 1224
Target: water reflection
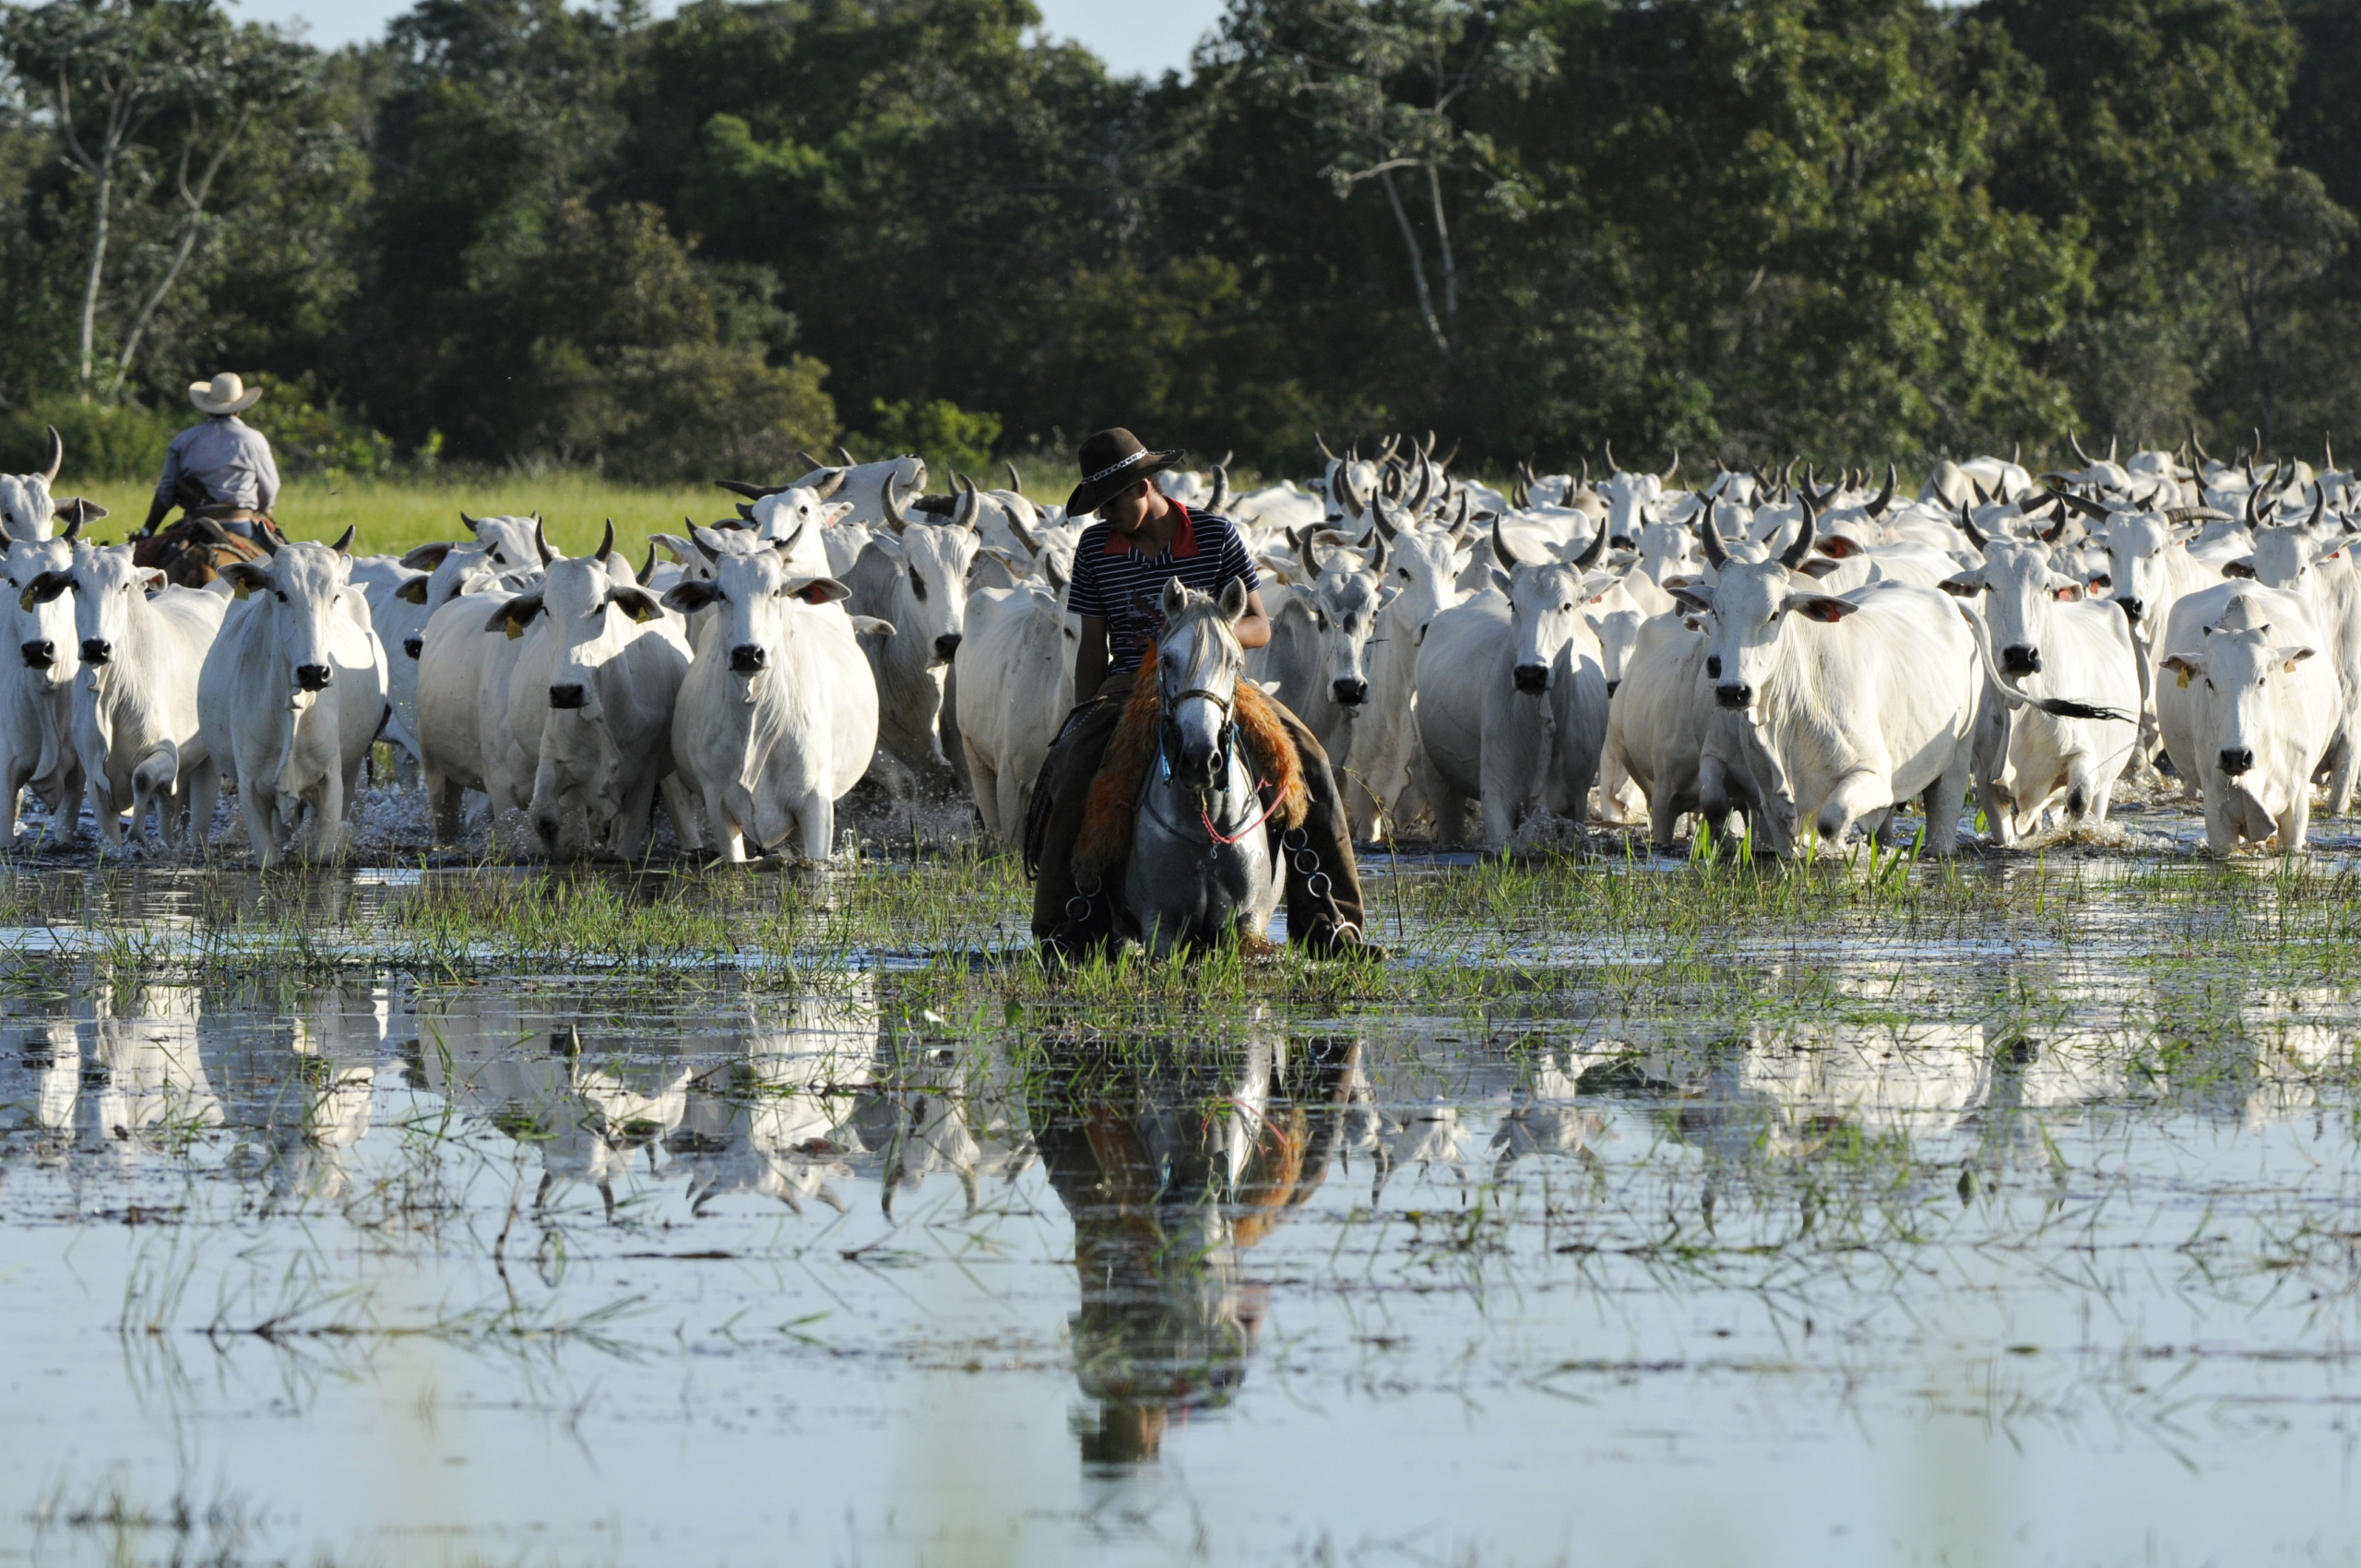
1174, 1159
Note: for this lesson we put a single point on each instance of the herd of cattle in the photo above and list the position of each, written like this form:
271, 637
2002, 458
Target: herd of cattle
1805, 657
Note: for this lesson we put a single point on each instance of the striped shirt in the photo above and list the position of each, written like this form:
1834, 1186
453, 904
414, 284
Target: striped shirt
1112, 579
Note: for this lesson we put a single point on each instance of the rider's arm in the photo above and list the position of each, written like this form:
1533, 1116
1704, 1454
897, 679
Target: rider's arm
164, 488
267, 480
1253, 628
1090, 658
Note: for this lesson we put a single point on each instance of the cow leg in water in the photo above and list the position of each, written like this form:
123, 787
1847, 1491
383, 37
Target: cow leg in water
443, 797
730, 837
257, 807
2295, 820
1945, 799
324, 833
627, 835
984, 781
103, 807
682, 807
1855, 795
2343, 762
152, 777
816, 815
204, 786
1664, 816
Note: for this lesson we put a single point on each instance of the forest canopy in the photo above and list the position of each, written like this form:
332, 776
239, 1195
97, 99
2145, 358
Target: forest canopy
517, 231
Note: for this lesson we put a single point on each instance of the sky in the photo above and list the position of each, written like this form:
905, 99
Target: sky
1143, 36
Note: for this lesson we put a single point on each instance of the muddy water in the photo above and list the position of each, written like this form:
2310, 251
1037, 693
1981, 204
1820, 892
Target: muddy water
1993, 1254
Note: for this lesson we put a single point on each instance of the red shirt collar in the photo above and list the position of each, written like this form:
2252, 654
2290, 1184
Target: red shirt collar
1184, 540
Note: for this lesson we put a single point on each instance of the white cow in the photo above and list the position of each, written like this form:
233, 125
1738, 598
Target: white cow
37, 687
1856, 702
913, 576
1657, 721
135, 720
293, 695
778, 715
1318, 656
873, 493
27, 508
2050, 641
2149, 570
2315, 560
1513, 697
450, 571
592, 692
1014, 679
2248, 711
1421, 582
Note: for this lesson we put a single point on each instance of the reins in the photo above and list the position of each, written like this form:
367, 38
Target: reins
1168, 727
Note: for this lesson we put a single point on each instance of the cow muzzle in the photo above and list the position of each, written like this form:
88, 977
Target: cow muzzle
2018, 659
1349, 694
1532, 679
40, 655
1734, 697
97, 650
314, 677
2131, 607
1611, 689
749, 658
570, 695
413, 646
2236, 760
946, 646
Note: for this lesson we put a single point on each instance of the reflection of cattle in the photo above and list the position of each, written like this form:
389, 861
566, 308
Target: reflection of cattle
41, 1070
144, 1083
943, 1112
1172, 1160
778, 1121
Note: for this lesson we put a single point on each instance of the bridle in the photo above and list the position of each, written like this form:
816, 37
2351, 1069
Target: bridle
1169, 743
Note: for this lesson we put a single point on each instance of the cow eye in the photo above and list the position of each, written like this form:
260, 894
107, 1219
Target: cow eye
282, 593
917, 584
499, 558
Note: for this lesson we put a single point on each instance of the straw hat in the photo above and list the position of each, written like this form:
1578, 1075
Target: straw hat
225, 394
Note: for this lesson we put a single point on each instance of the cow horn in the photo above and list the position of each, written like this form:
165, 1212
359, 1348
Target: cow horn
1385, 528
541, 541
1807, 532
1352, 498
749, 489
2254, 499
1709, 534
1885, 496
606, 545
1500, 550
1673, 472
2318, 508
1377, 549
344, 540
697, 537
1590, 553
1585, 469
1220, 497
1306, 553
1425, 488
1016, 480
846, 456
2075, 441
74, 526
1025, 534
52, 457
2110, 446
1445, 461
2198, 447
1393, 445
969, 513
808, 460
894, 517
647, 568
1612, 465
1967, 525
2328, 452
834, 483
745, 511
1321, 441
472, 523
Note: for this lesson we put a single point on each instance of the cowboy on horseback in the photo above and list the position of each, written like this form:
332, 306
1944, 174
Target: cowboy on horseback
1147, 555
221, 470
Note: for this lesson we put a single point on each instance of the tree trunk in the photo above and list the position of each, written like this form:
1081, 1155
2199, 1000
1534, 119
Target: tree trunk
1443, 244
102, 199
1418, 263
194, 201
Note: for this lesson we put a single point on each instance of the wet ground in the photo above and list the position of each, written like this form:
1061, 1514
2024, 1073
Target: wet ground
2014, 1220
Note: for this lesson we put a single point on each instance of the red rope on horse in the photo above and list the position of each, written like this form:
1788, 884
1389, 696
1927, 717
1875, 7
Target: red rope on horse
1226, 841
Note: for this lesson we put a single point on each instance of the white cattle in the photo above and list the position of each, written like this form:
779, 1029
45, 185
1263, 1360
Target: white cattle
462, 668
511, 543
778, 715
1513, 697
1318, 655
1014, 679
592, 693
1657, 723
1420, 583
2313, 559
914, 577
2049, 642
2248, 711
135, 720
293, 695
37, 687
450, 571
873, 493
1856, 702
27, 508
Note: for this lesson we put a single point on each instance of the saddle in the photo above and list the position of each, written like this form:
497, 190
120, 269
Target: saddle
1114, 799
191, 553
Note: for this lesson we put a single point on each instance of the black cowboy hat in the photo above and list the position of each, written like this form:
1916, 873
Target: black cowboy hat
1112, 462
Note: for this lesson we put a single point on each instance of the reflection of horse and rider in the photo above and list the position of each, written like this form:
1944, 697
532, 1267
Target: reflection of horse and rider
1179, 799
1172, 1161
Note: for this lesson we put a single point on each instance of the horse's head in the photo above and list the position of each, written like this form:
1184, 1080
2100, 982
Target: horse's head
1198, 662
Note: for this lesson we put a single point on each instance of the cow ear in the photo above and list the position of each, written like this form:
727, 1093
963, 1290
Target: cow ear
1501, 580
639, 604
245, 577
1967, 585
2184, 665
2241, 567
78, 510
1837, 547
674, 545
690, 596
818, 590
871, 626
512, 616
1821, 566
2291, 656
414, 590
1694, 596
2067, 593
426, 557
1824, 608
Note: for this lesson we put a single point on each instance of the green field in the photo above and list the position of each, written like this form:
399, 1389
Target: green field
392, 515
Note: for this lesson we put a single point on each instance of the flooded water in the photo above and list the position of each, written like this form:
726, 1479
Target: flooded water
2034, 1240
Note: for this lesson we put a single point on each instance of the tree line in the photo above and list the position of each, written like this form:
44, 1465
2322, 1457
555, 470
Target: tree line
517, 231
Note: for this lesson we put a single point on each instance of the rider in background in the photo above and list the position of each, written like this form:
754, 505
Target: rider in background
1120, 563
222, 469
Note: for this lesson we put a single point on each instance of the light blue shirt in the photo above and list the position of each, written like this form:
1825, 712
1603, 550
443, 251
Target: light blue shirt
230, 457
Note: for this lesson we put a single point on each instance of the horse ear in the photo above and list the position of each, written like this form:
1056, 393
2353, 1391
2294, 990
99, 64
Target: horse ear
1233, 599
1176, 598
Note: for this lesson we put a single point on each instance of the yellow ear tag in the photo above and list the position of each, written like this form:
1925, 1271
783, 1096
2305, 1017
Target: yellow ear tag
26, 601
2184, 678
240, 590
513, 629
